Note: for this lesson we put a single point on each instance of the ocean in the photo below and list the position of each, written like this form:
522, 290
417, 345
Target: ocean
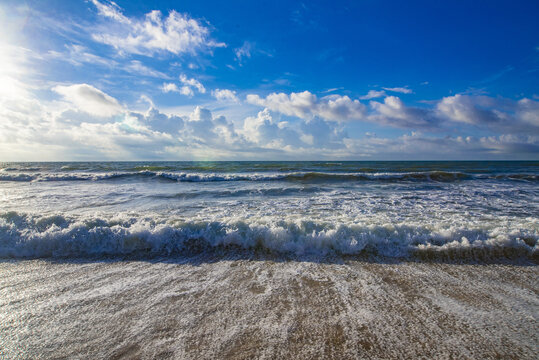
269, 259
395, 209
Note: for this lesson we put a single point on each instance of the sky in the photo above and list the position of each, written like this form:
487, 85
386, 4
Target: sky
269, 80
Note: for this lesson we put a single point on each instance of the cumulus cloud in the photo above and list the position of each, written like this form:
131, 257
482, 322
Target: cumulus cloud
306, 105
37, 131
468, 109
204, 129
170, 87
489, 113
528, 112
188, 88
373, 94
157, 121
402, 90
177, 33
187, 91
266, 132
225, 95
89, 99
394, 112
494, 113
192, 83
322, 134
92, 125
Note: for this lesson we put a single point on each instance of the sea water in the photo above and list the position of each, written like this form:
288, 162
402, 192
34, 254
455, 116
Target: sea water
395, 209
265, 260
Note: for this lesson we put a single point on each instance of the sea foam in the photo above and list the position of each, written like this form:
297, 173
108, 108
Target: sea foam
440, 176
34, 236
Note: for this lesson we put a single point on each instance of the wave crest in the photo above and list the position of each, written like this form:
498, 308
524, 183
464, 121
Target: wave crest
33, 236
437, 176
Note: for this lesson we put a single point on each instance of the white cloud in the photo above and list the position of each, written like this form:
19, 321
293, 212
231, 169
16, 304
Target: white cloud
170, 87
465, 109
225, 95
146, 99
176, 34
111, 10
243, 52
192, 83
402, 90
264, 131
91, 125
137, 68
79, 55
373, 94
260, 128
204, 129
15, 71
332, 90
188, 86
394, 112
306, 105
187, 91
494, 113
157, 121
528, 112
89, 99
323, 134
39, 132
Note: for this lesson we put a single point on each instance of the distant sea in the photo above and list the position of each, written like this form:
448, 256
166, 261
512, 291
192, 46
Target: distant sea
243, 260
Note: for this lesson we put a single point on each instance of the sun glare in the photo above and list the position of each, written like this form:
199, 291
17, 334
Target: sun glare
13, 57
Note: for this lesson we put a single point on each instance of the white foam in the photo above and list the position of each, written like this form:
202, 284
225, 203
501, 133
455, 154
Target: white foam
25, 235
261, 176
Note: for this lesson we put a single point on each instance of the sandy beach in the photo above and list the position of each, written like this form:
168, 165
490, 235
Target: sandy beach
244, 306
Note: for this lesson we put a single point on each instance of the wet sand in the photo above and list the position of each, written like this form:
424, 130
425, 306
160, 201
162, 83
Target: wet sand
244, 307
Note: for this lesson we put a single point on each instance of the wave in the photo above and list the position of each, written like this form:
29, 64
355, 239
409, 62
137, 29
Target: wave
244, 192
39, 236
437, 176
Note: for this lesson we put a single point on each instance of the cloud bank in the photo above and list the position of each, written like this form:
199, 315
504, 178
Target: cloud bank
85, 123
487, 113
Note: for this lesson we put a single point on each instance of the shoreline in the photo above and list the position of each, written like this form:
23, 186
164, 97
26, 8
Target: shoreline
205, 306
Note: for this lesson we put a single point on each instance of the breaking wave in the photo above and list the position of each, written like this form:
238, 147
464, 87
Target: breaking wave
34, 236
438, 176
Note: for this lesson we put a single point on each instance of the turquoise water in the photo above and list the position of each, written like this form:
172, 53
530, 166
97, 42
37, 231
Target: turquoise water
390, 208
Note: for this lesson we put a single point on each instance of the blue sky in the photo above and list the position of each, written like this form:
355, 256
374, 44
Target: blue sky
278, 80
